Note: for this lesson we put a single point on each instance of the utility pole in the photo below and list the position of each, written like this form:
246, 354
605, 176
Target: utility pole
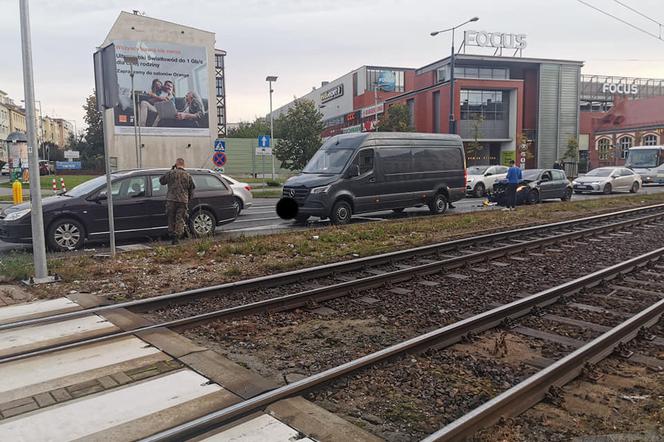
36, 215
269, 80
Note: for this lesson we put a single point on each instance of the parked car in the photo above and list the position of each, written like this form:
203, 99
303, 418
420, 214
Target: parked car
607, 180
366, 172
242, 191
5, 169
481, 178
139, 206
537, 185
46, 167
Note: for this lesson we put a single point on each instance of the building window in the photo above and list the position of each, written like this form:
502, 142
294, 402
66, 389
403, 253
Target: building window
650, 140
625, 143
436, 112
488, 105
411, 112
386, 80
484, 73
604, 148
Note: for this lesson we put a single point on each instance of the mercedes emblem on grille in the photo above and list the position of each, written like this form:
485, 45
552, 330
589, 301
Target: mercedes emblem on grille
292, 193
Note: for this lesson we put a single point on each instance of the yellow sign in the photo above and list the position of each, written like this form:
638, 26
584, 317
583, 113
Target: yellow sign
506, 156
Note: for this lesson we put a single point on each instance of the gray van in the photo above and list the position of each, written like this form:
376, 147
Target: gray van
367, 172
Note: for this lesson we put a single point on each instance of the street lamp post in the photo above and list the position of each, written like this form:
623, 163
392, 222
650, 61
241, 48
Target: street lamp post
452, 128
270, 79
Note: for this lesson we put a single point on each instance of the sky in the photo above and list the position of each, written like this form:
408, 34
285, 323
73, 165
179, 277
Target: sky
305, 42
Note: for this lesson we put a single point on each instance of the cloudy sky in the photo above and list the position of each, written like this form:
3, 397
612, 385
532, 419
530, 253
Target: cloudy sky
307, 41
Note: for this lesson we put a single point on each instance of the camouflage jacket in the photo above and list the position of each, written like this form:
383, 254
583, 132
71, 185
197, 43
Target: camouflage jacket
180, 185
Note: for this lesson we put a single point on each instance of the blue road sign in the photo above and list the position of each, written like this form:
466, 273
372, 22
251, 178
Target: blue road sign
219, 145
264, 141
219, 159
67, 165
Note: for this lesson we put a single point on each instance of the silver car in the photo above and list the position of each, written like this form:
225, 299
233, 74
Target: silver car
242, 191
607, 180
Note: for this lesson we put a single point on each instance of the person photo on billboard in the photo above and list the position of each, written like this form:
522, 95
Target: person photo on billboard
158, 92
193, 112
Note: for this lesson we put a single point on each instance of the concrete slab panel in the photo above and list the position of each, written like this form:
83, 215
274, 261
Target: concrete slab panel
29, 338
263, 428
90, 415
48, 372
17, 312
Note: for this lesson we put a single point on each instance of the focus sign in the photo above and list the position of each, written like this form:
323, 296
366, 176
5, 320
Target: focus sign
219, 159
219, 145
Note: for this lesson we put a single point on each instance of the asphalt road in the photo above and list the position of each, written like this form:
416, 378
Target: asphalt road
262, 219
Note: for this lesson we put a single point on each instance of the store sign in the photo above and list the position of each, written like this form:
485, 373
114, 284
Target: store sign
499, 40
353, 117
373, 110
620, 88
331, 94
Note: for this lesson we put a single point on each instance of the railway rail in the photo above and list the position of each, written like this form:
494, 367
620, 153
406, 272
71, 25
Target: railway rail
498, 241
519, 397
450, 255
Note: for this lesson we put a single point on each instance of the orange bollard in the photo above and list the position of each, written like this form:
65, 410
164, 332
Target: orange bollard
55, 186
62, 184
17, 192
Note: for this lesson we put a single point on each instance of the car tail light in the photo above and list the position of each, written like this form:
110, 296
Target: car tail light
248, 188
465, 177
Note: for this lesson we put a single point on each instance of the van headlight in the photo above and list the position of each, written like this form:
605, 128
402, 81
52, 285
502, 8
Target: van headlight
17, 215
323, 189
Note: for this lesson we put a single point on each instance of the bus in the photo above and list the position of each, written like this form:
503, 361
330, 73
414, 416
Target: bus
647, 161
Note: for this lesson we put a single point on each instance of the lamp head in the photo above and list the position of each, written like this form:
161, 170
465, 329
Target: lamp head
474, 19
271, 78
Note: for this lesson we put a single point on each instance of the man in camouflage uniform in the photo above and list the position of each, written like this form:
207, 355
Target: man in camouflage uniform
180, 192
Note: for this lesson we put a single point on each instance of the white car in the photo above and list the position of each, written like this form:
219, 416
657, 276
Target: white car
607, 180
5, 169
481, 178
242, 191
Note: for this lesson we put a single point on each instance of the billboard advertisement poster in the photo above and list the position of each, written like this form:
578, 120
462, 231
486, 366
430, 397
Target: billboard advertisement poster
387, 81
170, 88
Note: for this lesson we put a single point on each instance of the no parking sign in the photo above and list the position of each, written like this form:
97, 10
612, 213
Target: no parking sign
219, 159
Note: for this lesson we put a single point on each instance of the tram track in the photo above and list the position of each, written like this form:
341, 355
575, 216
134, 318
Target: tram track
517, 398
454, 256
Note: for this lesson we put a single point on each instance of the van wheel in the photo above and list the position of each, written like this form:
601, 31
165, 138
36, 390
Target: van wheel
65, 234
341, 213
439, 204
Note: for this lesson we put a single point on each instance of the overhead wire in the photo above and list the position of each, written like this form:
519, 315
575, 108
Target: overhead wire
631, 25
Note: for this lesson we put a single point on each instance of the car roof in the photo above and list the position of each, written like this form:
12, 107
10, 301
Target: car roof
159, 170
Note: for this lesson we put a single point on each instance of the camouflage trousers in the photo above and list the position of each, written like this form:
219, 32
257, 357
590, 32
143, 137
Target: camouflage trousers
177, 218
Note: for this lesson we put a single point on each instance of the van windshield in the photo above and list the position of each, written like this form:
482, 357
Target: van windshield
328, 161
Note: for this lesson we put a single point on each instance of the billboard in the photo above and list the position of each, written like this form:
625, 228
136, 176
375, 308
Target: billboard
170, 88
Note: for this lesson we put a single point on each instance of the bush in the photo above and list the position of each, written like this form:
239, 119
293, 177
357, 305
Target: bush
16, 266
271, 183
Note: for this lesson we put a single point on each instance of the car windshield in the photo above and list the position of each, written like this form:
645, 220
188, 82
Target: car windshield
86, 187
600, 172
642, 158
477, 170
531, 175
328, 161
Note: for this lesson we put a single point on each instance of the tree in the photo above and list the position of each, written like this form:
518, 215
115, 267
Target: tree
572, 152
92, 149
299, 136
246, 129
396, 119
474, 149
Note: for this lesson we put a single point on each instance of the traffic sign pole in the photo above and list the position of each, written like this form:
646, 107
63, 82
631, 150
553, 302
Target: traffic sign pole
36, 214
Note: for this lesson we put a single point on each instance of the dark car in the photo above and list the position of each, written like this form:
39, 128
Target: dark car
367, 172
537, 185
139, 210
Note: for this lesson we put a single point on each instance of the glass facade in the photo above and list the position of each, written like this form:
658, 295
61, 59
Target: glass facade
386, 80
484, 73
488, 105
